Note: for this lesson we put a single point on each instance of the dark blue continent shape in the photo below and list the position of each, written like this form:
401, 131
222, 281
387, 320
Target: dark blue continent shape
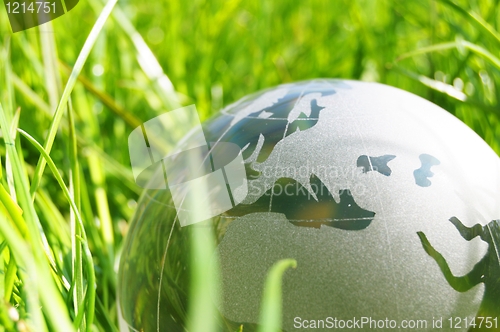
304, 211
301, 209
378, 164
423, 173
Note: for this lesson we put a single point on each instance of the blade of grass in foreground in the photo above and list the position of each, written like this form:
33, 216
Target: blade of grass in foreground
270, 311
80, 62
202, 314
88, 256
31, 257
98, 179
120, 171
25, 260
76, 245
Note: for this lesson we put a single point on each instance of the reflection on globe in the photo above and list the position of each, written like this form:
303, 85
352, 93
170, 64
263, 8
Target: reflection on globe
384, 199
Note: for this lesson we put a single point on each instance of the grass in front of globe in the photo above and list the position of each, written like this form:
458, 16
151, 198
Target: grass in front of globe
72, 90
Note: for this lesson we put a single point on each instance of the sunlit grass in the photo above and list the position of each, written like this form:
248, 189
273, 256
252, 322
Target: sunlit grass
72, 90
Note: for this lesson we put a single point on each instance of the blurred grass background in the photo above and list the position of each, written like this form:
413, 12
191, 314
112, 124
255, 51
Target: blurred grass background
59, 248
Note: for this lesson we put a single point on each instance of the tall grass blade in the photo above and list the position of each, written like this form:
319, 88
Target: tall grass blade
88, 256
479, 50
49, 55
474, 18
53, 305
76, 245
442, 87
148, 62
270, 311
108, 101
80, 62
115, 168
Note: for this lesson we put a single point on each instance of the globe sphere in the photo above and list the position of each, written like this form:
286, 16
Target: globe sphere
383, 199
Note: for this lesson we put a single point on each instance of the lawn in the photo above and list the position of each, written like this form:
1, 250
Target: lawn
72, 90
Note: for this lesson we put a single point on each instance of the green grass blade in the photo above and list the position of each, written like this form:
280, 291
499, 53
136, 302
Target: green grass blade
35, 99
121, 172
7, 93
442, 87
128, 117
53, 305
428, 49
49, 55
76, 245
21, 250
474, 18
479, 50
148, 62
201, 311
30, 54
270, 311
99, 180
88, 255
10, 278
80, 62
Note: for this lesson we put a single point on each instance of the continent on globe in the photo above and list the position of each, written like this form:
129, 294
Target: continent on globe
423, 174
378, 164
303, 209
322, 210
279, 116
485, 271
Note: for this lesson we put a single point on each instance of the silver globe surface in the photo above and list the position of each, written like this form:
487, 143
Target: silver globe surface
357, 182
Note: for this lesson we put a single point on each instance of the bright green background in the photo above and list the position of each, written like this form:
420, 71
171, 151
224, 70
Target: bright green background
213, 52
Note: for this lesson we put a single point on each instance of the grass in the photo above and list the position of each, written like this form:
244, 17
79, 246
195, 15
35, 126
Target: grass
72, 90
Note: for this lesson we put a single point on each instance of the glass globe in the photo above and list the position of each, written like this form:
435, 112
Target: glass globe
384, 200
